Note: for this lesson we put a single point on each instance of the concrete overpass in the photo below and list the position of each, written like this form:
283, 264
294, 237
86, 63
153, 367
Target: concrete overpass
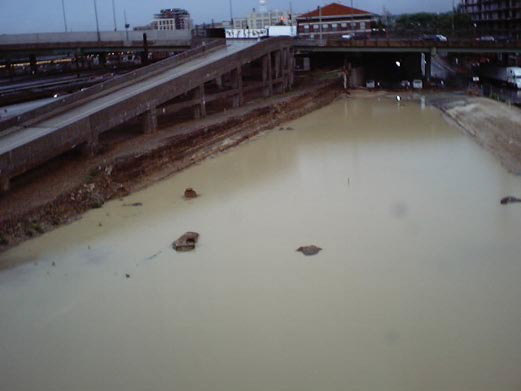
18, 45
462, 46
177, 83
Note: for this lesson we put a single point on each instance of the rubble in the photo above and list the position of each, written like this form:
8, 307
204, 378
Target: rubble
190, 193
309, 250
186, 242
510, 200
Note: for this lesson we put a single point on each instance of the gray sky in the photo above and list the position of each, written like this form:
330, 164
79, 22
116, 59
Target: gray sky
28, 16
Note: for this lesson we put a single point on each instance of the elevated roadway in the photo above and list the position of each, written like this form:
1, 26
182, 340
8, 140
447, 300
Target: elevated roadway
77, 120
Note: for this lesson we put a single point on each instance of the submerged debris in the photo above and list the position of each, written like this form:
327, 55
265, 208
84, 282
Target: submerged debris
510, 200
309, 250
134, 204
127, 275
186, 242
190, 193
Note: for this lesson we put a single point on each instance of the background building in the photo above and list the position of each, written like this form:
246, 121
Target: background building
495, 17
170, 19
262, 17
335, 20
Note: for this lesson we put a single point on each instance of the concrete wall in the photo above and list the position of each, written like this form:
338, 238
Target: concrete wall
91, 36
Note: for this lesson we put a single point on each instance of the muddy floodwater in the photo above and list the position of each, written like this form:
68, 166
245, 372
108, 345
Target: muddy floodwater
417, 286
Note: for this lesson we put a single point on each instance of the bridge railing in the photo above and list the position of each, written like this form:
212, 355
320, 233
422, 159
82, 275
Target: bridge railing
412, 43
61, 104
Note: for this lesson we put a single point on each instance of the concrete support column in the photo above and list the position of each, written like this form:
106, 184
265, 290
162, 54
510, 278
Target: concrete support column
150, 120
267, 77
285, 70
33, 64
291, 68
4, 184
90, 146
428, 67
219, 82
200, 109
238, 100
278, 63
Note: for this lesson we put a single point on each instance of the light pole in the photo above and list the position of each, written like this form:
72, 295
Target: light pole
231, 13
97, 21
64, 16
114, 15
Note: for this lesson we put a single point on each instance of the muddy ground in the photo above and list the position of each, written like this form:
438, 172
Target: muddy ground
63, 189
494, 125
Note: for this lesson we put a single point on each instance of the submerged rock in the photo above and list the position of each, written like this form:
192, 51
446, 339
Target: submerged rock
190, 193
309, 250
135, 204
186, 242
510, 200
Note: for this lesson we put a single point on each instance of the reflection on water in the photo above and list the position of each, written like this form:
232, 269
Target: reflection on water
417, 287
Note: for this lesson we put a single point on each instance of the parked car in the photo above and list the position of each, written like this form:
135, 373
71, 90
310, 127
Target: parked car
405, 84
417, 84
434, 37
486, 38
347, 37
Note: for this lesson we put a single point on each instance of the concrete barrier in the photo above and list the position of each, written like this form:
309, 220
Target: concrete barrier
64, 103
92, 36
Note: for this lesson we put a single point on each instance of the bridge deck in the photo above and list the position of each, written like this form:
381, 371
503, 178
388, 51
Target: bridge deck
17, 137
35, 137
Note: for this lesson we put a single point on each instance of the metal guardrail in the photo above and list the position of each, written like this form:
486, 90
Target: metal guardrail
412, 43
64, 103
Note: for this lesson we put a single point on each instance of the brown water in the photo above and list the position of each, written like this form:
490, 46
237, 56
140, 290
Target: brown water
418, 286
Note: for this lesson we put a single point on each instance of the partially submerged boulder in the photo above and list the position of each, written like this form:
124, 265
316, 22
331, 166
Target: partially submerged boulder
510, 200
186, 242
190, 193
309, 250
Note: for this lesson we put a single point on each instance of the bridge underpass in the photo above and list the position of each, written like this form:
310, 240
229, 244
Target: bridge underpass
212, 74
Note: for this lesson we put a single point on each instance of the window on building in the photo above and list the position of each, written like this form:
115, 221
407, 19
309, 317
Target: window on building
315, 26
344, 25
325, 26
334, 26
306, 26
362, 26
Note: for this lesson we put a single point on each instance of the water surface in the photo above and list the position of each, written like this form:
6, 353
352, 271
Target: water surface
417, 287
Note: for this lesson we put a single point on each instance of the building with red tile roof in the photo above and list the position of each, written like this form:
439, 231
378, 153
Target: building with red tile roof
334, 20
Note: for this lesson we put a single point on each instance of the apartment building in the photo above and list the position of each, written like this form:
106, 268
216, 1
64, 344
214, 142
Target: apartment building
495, 17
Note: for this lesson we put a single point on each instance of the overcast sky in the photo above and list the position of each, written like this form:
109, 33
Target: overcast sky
28, 16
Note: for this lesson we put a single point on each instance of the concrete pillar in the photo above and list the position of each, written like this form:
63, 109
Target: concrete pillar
267, 77
150, 120
33, 64
10, 69
200, 109
4, 184
278, 63
90, 146
291, 68
238, 100
428, 67
219, 82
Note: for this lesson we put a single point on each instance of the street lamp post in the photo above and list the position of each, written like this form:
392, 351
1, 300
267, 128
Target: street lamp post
114, 15
231, 13
64, 16
97, 21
